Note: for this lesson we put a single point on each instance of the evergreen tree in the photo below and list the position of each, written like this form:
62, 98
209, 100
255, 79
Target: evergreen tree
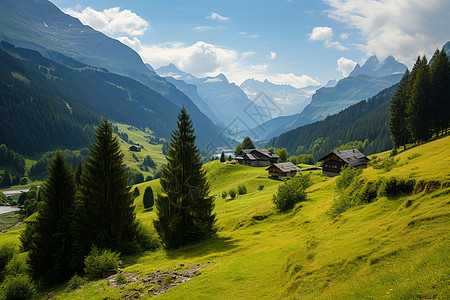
148, 198
237, 150
247, 143
397, 124
185, 212
105, 214
6, 181
78, 173
51, 254
440, 92
222, 157
417, 107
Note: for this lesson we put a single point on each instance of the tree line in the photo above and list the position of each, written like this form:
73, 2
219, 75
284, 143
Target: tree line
420, 106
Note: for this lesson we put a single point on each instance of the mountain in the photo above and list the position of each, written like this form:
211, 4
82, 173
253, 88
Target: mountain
331, 83
226, 101
325, 102
41, 26
366, 120
289, 99
374, 67
79, 94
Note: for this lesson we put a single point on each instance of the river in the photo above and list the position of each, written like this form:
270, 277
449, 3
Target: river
6, 209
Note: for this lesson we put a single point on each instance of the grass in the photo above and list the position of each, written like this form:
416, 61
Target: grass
389, 249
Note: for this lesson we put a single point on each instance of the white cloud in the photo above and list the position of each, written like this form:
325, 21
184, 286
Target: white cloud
112, 21
254, 36
203, 59
321, 34
402, 28
325, 34
345, 66
344, 36
216, 16
206, 28
272, 55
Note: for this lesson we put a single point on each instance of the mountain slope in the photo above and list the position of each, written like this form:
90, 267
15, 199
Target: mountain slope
374, 67
41, 26
366, 120
289, 99
327, 101
88, 89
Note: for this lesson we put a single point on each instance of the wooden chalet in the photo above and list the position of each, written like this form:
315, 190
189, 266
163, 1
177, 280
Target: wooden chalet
282, 170
333, 162
256, 157
136, 148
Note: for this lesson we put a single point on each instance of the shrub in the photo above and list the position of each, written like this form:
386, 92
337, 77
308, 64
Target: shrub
260, 187
148, 198
23, 181
147, 239
17, 265
121, 279
386, 164
224, 194
393, 187
232, 194
242, 189
291, 192
18, 287
101, 263
75, 282
7, 252
346, 177
136, 192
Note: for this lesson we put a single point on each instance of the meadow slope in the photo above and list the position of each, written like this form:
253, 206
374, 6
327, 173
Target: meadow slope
393, 248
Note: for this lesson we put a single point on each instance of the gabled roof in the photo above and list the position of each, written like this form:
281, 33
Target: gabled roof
262, 151
353, 157
285, 167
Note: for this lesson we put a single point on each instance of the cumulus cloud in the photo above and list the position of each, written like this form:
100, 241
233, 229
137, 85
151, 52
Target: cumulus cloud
326, 34
402, 28
345, 66
216, 16
321, 34
272, 55
203, 59
344, 36
112, 21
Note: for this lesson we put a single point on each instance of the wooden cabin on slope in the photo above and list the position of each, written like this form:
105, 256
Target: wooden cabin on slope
136, 148
333, 162
282, 170
256, 157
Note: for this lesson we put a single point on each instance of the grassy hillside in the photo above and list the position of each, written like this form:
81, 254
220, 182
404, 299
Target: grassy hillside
393, 248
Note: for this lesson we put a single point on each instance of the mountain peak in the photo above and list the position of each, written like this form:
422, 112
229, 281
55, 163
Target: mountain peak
374, 67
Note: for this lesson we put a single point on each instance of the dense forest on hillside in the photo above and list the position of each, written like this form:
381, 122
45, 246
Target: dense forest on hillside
78, 95
366, 120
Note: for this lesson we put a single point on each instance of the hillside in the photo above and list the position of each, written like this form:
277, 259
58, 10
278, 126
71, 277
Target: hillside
366, 120
392, 248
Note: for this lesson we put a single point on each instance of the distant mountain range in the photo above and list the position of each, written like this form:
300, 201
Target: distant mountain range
41, 26
374, 67
219, 99
289, 99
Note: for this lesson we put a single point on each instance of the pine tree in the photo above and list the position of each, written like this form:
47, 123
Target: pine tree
222, 157
148, 198
185, 212
397, 125
51, 254
440, 92
6, 181
418, 108
105, 215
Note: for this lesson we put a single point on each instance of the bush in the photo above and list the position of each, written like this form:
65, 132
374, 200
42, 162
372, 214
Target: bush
148, 198
232, 194
136, 192
101, 263
242, 189
148, 178
393, 187
224, 194
7, 252
346, 177
121, 279
75, 282
23, 181
18, 287
260, 187
386, 164
147, 239
291, 192
17, 265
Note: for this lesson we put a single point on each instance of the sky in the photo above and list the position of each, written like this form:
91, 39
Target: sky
297, 42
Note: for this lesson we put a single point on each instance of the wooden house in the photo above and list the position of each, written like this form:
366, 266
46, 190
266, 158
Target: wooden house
256, 157
334, 161
136, 148
282, 170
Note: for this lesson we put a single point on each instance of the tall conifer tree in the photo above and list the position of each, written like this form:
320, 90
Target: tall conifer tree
440, 92
51, 254
105, 215
397, 125
185, 212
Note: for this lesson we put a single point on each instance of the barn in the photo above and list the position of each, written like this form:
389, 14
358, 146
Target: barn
334, 161
282, 170
256, 157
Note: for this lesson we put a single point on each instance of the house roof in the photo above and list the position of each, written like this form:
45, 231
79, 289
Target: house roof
262, 151
137, 146
353, 157
285, 167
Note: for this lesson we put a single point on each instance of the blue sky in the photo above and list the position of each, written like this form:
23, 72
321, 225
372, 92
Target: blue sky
298, 42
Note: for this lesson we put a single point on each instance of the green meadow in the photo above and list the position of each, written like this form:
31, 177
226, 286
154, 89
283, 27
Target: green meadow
393, 248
